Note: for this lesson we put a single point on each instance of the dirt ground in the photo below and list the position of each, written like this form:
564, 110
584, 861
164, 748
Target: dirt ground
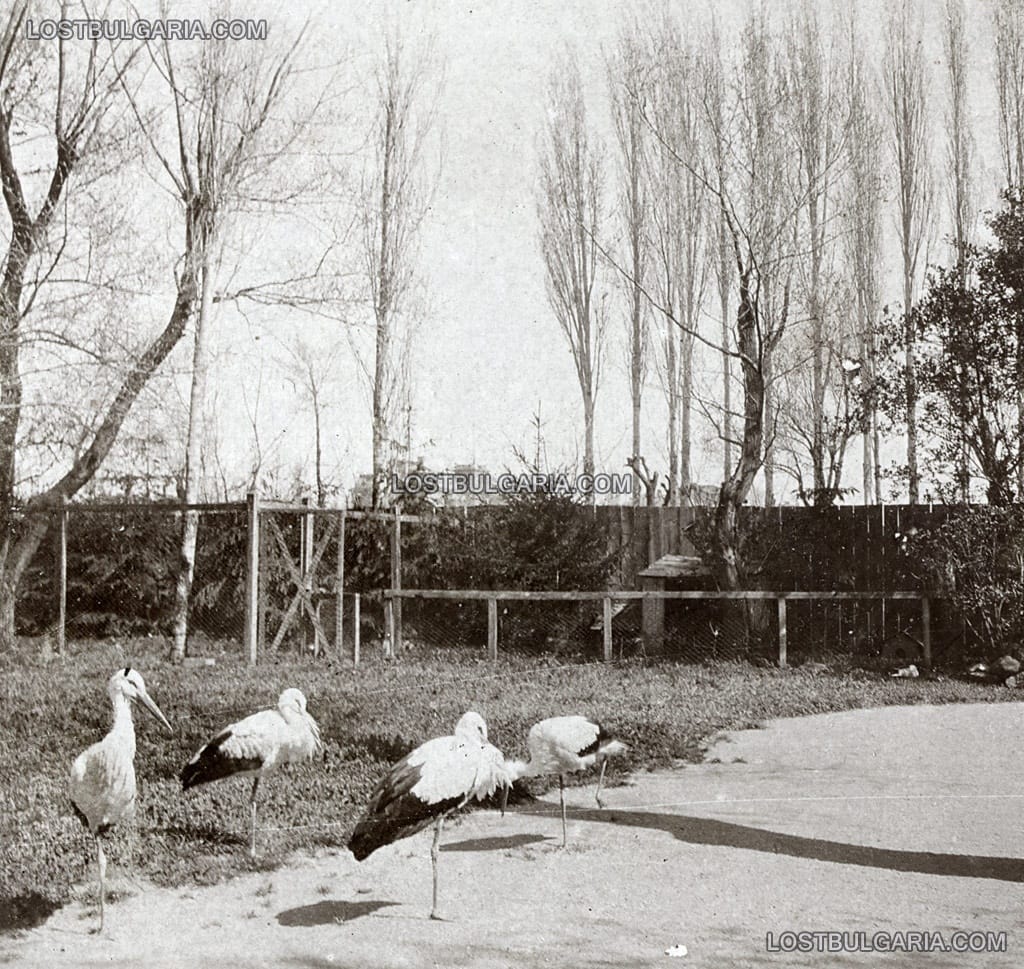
897, 820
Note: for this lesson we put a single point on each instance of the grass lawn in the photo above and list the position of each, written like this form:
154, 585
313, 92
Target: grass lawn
369, 717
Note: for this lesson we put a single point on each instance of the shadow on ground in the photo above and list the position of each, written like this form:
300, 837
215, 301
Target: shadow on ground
496, 844
25, 911
328, 912
708, 831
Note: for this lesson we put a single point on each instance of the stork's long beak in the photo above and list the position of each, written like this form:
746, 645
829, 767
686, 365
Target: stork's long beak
155, 710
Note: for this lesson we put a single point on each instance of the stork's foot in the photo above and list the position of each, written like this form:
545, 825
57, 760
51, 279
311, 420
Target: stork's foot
436, 916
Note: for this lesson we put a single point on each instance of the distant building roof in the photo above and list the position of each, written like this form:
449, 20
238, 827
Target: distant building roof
674, 567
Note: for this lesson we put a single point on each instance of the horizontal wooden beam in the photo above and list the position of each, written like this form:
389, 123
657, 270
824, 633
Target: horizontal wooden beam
176, 507
520, 595
291, 506
150, 507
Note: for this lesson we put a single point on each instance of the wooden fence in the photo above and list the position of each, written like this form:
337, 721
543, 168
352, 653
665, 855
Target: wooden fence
848, 548
608, 598
852, 551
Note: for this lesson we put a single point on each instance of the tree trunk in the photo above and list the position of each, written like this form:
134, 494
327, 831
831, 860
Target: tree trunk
734, 490
193, 465
769, 457
726, 386
588, 443
914, 477
1020, 408
22, 540
867, 467
637, 485
321, 485
673, 401
686, 420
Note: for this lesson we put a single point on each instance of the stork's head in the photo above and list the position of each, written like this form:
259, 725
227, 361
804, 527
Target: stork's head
292, 699
130, 684
471, 725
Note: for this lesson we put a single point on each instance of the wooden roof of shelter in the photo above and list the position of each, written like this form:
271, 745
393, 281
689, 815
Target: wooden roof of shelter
675, 567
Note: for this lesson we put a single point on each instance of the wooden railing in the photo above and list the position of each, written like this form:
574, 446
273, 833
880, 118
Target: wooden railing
392, 617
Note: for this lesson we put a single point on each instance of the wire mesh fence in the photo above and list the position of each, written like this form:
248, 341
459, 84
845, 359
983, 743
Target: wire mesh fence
699, 628
122, 566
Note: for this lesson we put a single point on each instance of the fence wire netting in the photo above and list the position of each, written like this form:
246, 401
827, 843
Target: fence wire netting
123, 563
122, 574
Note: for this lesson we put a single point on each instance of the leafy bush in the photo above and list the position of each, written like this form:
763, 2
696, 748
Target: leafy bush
976, 558
537, 540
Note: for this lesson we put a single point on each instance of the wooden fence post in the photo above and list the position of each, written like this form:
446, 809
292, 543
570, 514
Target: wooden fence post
252, 575
62, 575
782, 631
389, 626
492, 628
355, 630
306, 537
339, 591
926, 630
396, 577
606, 628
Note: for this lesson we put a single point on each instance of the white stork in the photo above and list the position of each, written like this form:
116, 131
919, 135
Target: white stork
102, 786
436, 779
255, 746
564, 745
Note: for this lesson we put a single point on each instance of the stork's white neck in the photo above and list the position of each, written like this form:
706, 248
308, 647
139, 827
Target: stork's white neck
122, 712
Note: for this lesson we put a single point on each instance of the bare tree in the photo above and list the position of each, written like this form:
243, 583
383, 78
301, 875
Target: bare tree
570, 211
396, 197
1009, 34
863, 194
959, 156
759, 207
626, 70
715, 102
1009, 42
78, 88
819, 119
749, 176
221, 109
906, 92
311, 371
680, 238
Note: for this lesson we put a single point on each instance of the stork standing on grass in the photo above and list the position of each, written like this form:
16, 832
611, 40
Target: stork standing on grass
564, 745
255, 746
432, 782
102, 786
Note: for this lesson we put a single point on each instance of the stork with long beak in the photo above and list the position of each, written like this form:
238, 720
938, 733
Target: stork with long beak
102, 785
437, 779
255, 746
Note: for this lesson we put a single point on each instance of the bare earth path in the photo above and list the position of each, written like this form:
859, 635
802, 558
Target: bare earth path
898, 819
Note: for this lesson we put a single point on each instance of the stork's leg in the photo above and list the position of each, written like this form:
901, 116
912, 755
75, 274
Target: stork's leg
252, 814
561, 798
433, 863
133, 848
600, 781
101, 864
